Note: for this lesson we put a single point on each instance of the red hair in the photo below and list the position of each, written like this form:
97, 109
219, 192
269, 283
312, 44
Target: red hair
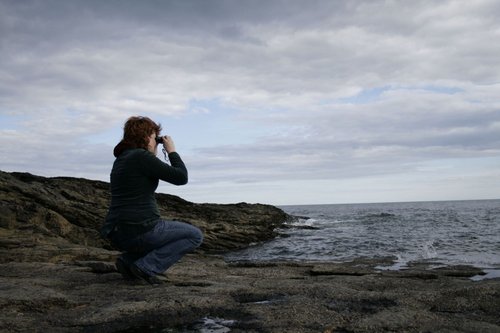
136, 133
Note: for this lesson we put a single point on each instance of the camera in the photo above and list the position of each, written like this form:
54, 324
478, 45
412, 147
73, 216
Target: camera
159, 139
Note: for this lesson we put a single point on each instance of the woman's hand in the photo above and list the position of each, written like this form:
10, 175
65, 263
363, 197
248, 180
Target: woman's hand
168, 144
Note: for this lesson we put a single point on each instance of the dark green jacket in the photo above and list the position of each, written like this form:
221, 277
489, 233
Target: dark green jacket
134, 179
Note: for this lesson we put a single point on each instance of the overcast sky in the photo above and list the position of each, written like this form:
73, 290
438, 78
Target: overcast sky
280, 102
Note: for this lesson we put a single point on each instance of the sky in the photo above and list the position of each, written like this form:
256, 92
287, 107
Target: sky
273, 101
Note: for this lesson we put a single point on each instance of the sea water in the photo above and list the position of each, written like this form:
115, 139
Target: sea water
450, 233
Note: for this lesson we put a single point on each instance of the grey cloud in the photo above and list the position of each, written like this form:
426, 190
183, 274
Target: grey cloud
282, 63
95, 48
397, 134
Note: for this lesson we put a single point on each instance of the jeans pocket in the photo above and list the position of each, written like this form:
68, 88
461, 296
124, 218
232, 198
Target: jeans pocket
152, 238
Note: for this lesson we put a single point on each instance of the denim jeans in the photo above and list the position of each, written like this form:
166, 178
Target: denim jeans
158, 249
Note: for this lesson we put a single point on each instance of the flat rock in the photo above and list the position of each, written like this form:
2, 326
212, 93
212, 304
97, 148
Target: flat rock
203, 291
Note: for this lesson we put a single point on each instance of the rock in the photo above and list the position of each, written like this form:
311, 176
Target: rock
57, 275
54, 219
203, 292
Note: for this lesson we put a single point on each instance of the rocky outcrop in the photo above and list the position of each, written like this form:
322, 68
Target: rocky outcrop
51, 219
57, 275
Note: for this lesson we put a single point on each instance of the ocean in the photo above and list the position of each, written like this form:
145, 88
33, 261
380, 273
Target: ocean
444, 232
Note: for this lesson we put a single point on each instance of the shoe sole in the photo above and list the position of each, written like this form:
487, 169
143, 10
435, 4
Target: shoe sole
152, 280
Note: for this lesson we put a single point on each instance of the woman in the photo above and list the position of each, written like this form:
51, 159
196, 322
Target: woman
133, 224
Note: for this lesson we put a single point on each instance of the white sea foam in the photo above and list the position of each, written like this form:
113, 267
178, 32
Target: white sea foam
490, 274
428, 251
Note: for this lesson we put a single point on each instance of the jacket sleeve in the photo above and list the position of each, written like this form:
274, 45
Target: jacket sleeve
176, 173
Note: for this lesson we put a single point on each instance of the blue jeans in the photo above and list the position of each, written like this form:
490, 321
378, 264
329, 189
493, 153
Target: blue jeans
158, 249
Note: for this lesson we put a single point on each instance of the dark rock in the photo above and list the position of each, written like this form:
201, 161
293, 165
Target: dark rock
341, 269
459, 271
366, 306
226, 227
49, 219
203, 293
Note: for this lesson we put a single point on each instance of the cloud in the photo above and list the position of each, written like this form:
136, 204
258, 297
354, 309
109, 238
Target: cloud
326, 90
400, 131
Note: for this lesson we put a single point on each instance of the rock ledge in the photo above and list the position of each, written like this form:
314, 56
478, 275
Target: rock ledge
51, 219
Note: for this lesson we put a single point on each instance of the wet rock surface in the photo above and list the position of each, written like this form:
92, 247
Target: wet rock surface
56, 275
203, 291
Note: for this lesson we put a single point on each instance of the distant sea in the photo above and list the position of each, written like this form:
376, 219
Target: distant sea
444, 232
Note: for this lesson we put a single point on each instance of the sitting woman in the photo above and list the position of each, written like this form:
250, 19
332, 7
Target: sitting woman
150, 244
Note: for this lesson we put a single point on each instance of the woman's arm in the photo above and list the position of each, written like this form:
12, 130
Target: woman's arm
176, 173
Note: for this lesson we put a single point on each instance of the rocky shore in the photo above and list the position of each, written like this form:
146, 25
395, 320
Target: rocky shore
57, 275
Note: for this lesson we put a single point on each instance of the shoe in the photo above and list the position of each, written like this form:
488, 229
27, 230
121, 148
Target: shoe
124, 269
151, 279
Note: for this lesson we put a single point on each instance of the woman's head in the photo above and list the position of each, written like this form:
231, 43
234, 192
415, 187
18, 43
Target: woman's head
138, 132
